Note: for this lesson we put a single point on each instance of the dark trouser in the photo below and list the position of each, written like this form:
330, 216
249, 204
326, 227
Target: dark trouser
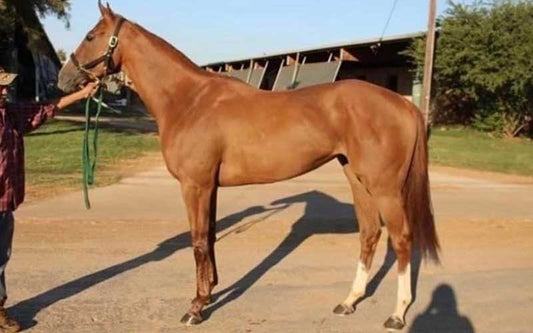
6, 238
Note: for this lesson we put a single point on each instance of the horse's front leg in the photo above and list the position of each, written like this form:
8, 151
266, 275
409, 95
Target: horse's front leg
200, 201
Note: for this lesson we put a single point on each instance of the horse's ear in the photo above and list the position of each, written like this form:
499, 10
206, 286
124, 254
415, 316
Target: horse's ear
109, 10
103, 10
106, 11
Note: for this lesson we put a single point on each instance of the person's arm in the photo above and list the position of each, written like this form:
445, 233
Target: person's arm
67, 100
32, 116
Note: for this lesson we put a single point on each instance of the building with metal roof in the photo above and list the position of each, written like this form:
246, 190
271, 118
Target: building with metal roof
377, 60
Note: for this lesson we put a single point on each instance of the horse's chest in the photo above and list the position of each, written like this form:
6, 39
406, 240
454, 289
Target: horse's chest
190, 157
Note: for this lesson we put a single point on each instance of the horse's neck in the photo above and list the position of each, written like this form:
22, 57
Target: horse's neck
163, 77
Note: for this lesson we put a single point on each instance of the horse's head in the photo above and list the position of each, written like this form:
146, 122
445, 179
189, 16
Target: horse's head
96, 56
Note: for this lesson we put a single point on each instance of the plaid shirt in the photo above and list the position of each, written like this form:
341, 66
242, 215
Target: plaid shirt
15, 121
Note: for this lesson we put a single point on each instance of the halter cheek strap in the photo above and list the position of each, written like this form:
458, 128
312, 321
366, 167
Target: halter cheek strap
107, 57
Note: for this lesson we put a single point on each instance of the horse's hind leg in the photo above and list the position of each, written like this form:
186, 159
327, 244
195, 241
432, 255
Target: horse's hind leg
393, 212
369, 233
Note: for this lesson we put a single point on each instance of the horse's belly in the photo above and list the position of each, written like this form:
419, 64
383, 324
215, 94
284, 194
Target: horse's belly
270, 166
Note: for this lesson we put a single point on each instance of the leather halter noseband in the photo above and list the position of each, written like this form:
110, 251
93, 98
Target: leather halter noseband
107, 57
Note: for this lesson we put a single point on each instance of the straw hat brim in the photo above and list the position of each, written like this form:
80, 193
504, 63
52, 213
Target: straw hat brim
7, 78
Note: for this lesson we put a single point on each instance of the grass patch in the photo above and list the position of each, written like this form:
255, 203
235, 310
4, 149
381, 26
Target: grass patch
53, 154
467, 148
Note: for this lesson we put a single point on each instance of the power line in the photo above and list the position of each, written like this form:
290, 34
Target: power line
378, 44
388, 20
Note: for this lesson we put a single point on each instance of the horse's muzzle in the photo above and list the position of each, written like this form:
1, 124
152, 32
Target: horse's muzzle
70, 78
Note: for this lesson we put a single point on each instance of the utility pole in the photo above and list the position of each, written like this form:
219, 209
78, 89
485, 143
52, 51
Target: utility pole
428, 63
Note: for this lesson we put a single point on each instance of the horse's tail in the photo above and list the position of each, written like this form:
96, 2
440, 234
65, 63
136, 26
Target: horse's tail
417, 198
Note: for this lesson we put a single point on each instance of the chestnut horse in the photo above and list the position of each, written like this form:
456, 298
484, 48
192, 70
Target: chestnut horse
217, 131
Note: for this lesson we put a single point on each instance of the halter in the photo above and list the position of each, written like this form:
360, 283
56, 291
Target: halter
107, 57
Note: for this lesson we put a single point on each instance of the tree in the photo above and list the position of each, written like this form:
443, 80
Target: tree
20, 26
483, 65
43, 8
24, 14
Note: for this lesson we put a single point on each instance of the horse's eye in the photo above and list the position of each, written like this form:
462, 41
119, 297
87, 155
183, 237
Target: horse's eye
89, 37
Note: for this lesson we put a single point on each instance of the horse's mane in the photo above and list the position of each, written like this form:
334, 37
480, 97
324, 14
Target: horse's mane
179, 57
166, 47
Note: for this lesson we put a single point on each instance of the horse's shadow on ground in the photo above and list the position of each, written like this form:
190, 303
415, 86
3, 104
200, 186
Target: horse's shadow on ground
323, 215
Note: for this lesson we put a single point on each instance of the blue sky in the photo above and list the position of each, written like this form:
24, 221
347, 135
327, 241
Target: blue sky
211, 31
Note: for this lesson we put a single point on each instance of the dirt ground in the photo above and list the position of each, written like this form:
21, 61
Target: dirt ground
286, 254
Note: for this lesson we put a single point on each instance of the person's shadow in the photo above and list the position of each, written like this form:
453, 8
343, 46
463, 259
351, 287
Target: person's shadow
441, 315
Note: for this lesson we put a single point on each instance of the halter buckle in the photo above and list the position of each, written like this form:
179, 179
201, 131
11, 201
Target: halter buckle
113, 42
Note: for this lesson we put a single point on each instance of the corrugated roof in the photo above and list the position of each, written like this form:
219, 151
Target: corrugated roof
359, 42
306, 75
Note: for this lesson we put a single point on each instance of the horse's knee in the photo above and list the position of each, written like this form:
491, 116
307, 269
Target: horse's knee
200, 248
204, 261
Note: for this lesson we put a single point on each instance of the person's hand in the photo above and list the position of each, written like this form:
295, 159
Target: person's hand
86, 92
89, 90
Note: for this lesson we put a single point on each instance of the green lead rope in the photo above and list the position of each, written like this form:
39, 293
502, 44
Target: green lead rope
88, 161
88, 165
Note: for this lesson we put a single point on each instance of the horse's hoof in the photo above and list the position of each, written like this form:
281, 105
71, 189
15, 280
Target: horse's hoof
190, 319
394, 324
343, 310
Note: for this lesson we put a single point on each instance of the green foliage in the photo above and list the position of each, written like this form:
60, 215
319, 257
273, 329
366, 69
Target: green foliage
484, 65
7, 21
492, 123
24, 8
